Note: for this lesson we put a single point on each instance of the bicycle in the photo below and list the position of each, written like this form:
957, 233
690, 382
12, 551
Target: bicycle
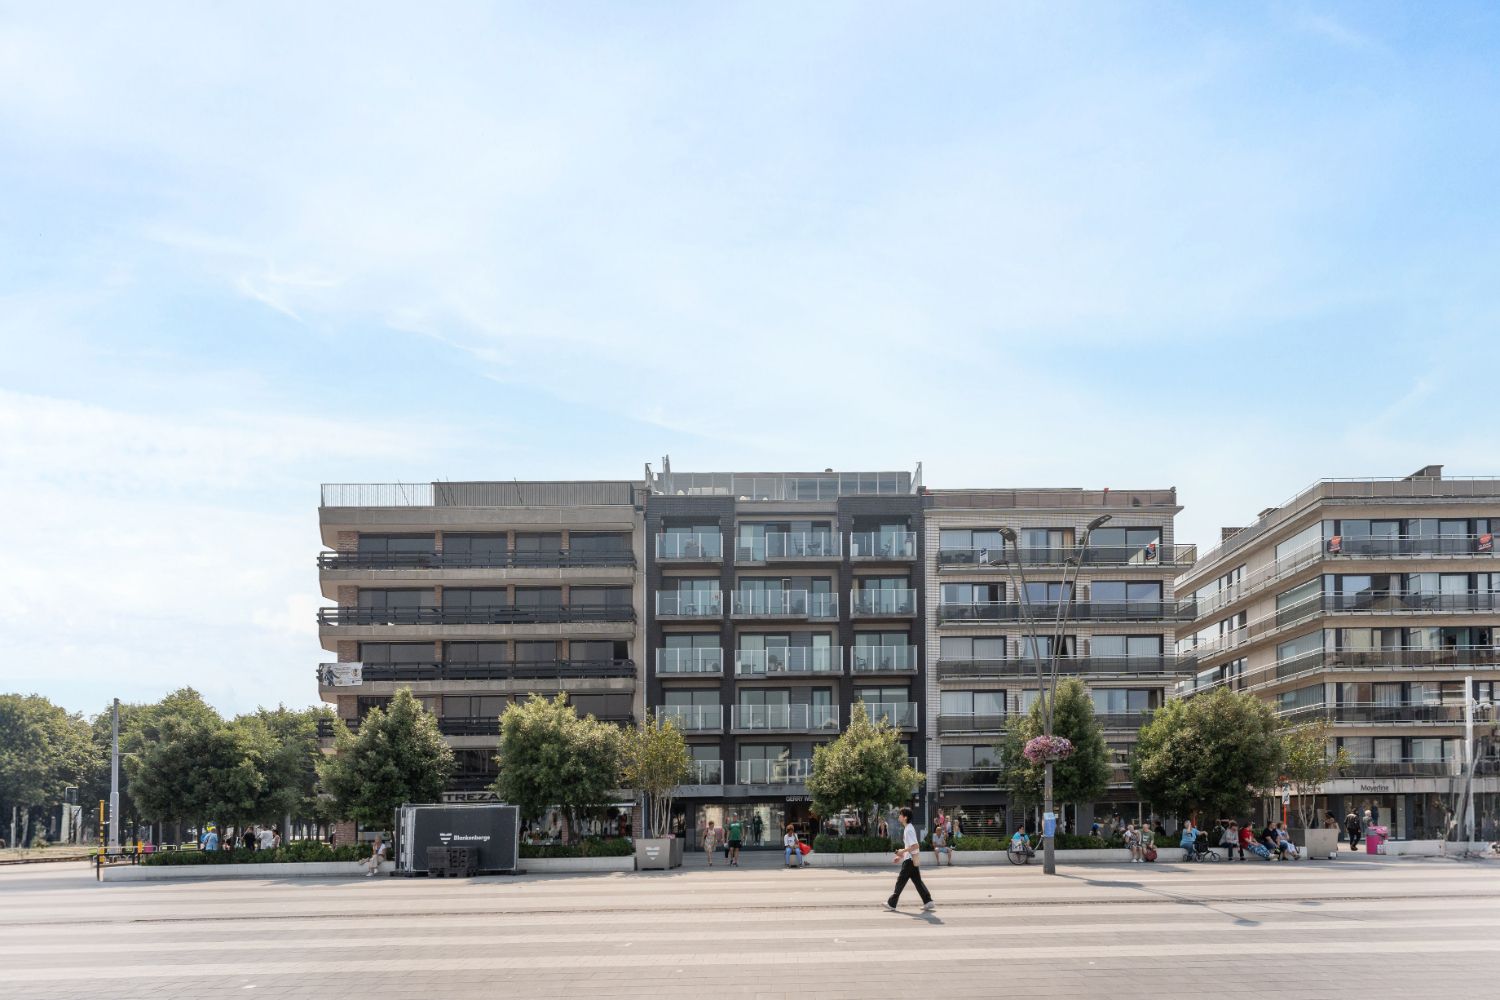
1020, 855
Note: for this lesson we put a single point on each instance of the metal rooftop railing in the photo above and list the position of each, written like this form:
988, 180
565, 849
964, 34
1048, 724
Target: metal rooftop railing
513, 493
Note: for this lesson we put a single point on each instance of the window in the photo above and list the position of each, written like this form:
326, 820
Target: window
1134, 545
980, 703
963, 648
973, 593
536, 652
1048, 593
475, 550
881, 695
539, 542
1135, 647
474, 706
1305, 697
696, 698
1125, 592
1298, 603
538, 597
968, 758
598, 650
599, 597
1300, 646
602, 706
461, 599
980, 545
395, 600
1124, 701
697, 640
397, 652
477, 652
599, 543
396, 545
1041, 647
1304, 545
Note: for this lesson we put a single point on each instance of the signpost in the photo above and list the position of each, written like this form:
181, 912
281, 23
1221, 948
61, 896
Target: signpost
1286, 800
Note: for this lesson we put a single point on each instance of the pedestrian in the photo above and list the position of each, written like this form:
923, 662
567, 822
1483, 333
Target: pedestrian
884, 830
940, 845
377, 853
267, 838
909, 857
1271, 842
210, 839
1284, 841
1189, 841
1147, 842
1230, 839
1352, 828
1132, 841
791, 848
276, 837
710, 841
247, 839
736, 837
1247, 834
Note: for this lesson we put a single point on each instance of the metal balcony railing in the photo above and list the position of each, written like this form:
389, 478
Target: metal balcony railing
1123, 720
785, 604
883, 545
692, 718
1404, 767
1078, 666
690, 548
900, 714
778, 545
701, 661
983, 777
883, 603
706, 772
486, 670
689, 604
785, 718
969, 723
1099, 611
980, 557
453, 560
883, 660
1405, 658
1366, 713
822, 660
489, 615
1410, 545
1377, 602
772, 772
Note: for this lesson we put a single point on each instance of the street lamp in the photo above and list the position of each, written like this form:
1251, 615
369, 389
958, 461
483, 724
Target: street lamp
1047, 684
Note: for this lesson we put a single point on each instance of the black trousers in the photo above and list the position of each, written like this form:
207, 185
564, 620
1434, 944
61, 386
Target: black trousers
910, 873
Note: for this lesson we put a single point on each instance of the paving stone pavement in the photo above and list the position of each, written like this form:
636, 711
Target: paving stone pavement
1107, 931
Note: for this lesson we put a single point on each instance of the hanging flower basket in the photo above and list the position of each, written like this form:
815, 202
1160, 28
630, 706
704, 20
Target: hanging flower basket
1041, 749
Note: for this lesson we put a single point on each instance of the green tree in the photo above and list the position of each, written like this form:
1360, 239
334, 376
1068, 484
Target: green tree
1208, 754
398, 756
865, 768
656, 762
550, 757
1306, 763
161, 748
43, 749
291, 760
1082, 776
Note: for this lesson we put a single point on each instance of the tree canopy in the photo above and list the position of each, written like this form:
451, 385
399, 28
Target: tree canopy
1306, 763
1208, 754
43, 749
656, 762
398, 756
1082, 776
866, 767
549, 757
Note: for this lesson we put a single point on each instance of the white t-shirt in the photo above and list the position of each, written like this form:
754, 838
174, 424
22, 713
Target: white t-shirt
910, 841
266, 837
790, 840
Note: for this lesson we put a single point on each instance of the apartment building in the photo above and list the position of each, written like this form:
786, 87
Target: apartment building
1374, 604
980, 548
479, 594
776, 602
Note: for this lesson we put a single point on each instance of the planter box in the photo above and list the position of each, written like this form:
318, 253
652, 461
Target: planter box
575, 866
1316, 843
309, 869
657, 853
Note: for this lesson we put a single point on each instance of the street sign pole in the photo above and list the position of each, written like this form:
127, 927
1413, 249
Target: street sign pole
114, 776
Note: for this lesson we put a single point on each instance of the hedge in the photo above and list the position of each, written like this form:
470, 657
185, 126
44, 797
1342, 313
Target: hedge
589, 847
299, 851
829, 844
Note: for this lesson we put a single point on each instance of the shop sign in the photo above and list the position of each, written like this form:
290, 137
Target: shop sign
799, 798
1376, 786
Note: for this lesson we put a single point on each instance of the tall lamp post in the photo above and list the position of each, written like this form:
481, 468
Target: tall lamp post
1047, 683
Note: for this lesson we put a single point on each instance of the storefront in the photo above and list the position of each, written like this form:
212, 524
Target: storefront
762, 821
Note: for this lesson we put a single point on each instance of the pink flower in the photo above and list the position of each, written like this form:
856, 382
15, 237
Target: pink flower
1041, 749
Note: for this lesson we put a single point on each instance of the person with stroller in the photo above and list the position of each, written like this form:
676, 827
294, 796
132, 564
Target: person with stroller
1189, 841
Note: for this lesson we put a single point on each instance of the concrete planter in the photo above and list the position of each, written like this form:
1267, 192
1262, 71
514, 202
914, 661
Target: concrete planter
308, 869
657, 853
576, 866
1428, 848
1316, 843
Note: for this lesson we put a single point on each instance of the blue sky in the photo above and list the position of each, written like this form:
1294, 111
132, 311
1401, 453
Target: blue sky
1230, 248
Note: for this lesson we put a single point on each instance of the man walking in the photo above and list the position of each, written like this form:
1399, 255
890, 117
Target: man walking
909, 857
736, 837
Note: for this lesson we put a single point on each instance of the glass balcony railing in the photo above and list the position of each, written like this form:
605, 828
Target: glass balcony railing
692, 718
689, 604
786, 718
772, 772
979, 777
786, 604
883, 602
789, 660
790, 545
1411, 545
901, 714
690, 661
883, 660
883, 545
971, 723
690, 548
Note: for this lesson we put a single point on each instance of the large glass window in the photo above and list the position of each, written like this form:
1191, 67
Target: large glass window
1123, 701
475, 550
1132, 646
477, 652
981, 703
397, 652
961, 648
1304, 545
380, 545
1298, 603
1123, 591
599, 542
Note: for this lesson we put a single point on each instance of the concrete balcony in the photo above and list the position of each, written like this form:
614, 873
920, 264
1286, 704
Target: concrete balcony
695, 662
794, 661
785, 719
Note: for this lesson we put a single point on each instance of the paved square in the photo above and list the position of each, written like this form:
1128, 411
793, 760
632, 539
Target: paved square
1408, 927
